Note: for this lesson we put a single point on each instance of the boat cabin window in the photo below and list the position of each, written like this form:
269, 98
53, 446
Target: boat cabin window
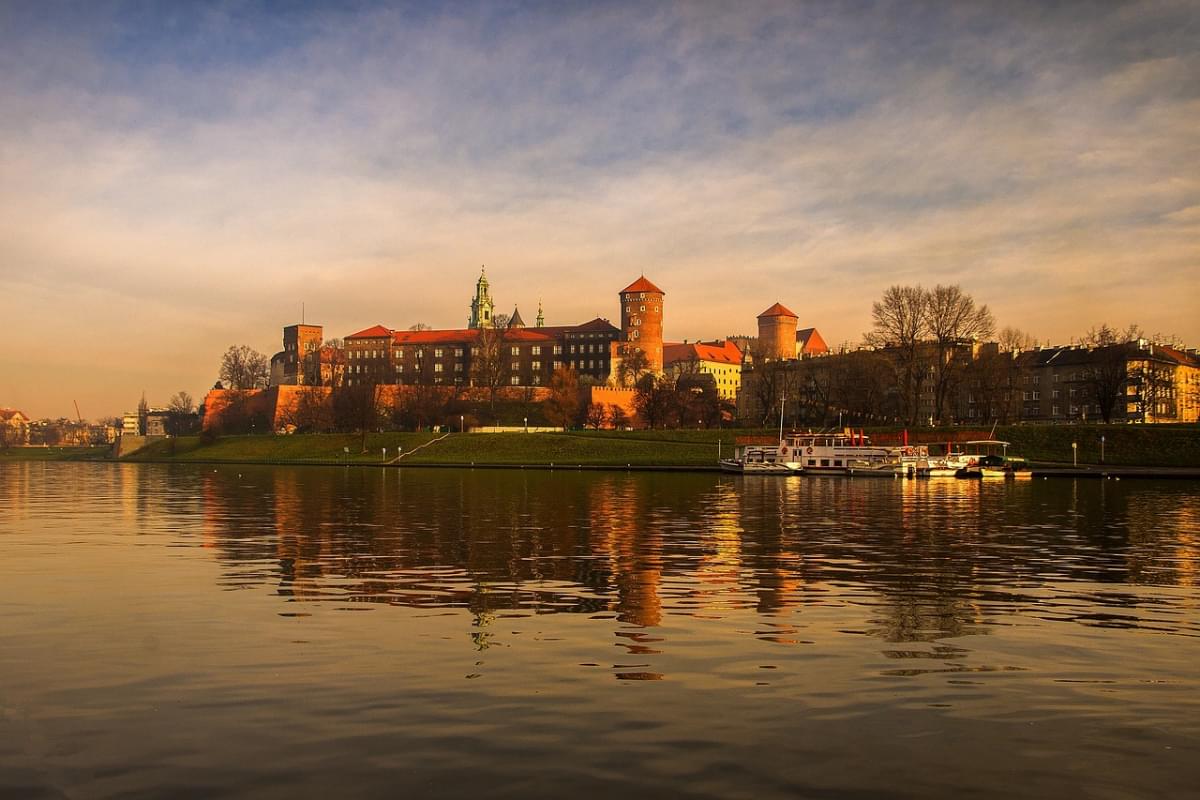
824, 462
812, 462
837, 462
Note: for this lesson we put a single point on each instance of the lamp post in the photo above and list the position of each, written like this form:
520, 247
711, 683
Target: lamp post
462, 425
1102, 448
1075, 453
526, 419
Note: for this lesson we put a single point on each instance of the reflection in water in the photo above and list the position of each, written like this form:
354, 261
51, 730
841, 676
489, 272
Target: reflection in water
761, 623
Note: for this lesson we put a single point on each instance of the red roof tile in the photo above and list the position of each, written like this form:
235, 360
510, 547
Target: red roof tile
462, 335
374, 332
720, 352
642, 285
777, 310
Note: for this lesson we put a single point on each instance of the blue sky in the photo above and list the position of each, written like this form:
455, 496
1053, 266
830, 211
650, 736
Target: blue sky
176, 178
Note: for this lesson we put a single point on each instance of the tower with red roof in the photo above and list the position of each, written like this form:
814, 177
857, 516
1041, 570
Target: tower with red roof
642, 320
777, 333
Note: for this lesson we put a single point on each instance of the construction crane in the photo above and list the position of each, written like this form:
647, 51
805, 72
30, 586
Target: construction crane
78, 416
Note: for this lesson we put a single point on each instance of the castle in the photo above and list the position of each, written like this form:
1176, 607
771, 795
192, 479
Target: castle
484, 353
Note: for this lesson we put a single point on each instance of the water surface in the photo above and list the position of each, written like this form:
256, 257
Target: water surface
293, 632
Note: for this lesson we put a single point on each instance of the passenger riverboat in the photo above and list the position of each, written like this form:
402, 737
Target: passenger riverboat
845, 453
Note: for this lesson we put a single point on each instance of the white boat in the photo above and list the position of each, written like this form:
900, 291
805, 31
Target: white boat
844, 453
947, 465
756, 459
989, 458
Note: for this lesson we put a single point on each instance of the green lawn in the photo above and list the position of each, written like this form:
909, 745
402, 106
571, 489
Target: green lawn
1127, 445
54, 453
567, 449
298, 448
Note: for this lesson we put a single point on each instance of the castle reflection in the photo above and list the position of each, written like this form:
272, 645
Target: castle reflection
932, 559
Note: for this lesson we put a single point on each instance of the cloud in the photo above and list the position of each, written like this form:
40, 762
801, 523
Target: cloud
178, 181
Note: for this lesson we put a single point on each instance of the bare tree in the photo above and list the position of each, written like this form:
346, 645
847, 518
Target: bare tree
357, 408
1015, 340
563, 403
655, 400
182, 412
618, 416
954, 322
243, 367
632, 364
487, 362
900, 324
500, 321
311, 413
420, 326
596, 416
1107, 373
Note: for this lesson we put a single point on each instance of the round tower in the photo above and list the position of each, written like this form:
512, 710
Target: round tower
642, 320
777, 333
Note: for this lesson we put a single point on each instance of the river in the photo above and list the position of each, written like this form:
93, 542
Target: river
191, 631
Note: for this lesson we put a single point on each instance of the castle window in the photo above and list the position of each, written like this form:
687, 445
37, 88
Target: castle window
558, 349
437, 353
633, 334
516, 380
536, 365
637, 321
656, 309
571, 349
474, 351
437, 367
458, 351
516, 351
458, 367
641, 308
537, 380
537, 351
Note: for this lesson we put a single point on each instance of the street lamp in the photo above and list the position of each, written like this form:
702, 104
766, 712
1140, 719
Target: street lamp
462, 425
526, 424
1075, 453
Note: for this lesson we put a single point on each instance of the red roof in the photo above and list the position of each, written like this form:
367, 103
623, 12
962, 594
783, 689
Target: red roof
461, 335
374, 332
642, 285
811, 342
777, 310
725, 352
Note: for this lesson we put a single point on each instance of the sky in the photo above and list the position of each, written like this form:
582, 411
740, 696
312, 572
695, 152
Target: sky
176, 178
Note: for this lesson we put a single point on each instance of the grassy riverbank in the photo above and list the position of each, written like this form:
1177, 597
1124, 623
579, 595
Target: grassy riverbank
674, 448
1124, 445
54, 453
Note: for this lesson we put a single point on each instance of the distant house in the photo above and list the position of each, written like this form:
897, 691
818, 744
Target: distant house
721, 359
158, 422
131, 424
810, 343
14, 427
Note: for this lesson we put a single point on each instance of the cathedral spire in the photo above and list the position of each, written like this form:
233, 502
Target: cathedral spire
482, 306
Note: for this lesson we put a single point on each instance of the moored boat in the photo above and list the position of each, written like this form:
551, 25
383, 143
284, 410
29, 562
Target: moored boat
756, 459
989, 458
845, 453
